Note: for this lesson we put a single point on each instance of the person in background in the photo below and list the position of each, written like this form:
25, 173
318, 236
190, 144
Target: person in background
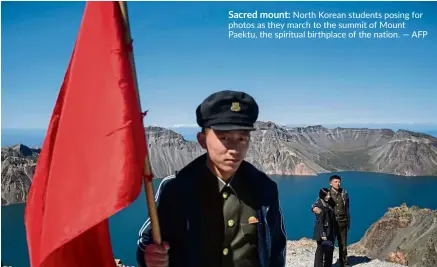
219, 210
324, 232
340, 202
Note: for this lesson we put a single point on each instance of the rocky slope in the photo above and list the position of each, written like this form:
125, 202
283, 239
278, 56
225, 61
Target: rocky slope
316, 149
18, 165
406, 153
169, 151
408, 234
274, 149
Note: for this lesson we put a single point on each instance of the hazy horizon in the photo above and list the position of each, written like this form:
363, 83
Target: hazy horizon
34, 136
399, 125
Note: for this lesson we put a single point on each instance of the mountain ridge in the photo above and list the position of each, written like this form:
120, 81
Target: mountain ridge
276, 150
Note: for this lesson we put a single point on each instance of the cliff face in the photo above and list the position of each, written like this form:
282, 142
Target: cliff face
169, 151
406, 153
315, 149
274, 149
18, 166
403, 234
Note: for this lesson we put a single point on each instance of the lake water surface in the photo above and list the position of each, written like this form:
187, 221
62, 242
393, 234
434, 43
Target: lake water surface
371, 195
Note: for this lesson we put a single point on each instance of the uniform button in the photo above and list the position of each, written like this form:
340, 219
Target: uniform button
231, 223
225, 195
225, 251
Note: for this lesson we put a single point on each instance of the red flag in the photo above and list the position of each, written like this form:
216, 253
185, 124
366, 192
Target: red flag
92, 159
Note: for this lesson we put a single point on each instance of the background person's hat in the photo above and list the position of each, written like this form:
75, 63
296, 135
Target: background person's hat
228, 110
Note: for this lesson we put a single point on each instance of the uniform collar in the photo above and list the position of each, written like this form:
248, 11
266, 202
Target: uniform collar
335, 192
222, 185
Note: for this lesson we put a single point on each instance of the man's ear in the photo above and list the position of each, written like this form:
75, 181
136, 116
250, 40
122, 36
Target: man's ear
201, 138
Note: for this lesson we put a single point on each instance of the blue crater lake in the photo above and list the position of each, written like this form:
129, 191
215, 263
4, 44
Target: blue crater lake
371, 195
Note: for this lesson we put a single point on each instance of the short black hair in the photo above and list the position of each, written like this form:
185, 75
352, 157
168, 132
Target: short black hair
323, 193
334, 177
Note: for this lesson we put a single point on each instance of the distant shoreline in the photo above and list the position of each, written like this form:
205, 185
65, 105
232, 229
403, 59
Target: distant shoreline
286, 177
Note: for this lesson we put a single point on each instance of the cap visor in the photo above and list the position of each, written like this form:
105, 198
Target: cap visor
231, 127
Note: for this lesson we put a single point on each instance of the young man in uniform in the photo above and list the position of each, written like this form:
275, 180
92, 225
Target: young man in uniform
340, 202
219, 210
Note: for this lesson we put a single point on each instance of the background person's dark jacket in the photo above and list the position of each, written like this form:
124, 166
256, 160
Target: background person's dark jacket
174, 202
324, 225
346, 201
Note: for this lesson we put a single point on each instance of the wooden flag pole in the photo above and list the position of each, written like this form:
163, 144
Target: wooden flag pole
156, 232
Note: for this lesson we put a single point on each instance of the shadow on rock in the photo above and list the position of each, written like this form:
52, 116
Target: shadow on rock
354, 260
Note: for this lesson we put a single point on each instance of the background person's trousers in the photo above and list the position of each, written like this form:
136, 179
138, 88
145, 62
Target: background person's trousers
323, 256
341, 234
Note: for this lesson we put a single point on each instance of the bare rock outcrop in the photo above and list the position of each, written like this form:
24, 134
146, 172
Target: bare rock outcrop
403, 152
169, 151
404, 235
407, 153
18, 166
397, 257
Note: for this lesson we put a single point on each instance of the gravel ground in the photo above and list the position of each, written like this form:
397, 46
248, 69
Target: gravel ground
301, 254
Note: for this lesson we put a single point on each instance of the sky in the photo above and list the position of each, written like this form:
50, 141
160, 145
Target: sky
183, 53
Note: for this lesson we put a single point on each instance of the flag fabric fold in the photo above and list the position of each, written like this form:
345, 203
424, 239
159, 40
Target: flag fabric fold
92, 159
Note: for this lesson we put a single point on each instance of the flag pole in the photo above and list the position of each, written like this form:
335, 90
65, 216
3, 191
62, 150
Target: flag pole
156, 232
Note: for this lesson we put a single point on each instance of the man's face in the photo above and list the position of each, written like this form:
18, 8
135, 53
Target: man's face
226, 149
335, 183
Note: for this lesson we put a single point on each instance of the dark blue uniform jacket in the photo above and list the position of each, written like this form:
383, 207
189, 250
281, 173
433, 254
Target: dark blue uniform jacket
177, 217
